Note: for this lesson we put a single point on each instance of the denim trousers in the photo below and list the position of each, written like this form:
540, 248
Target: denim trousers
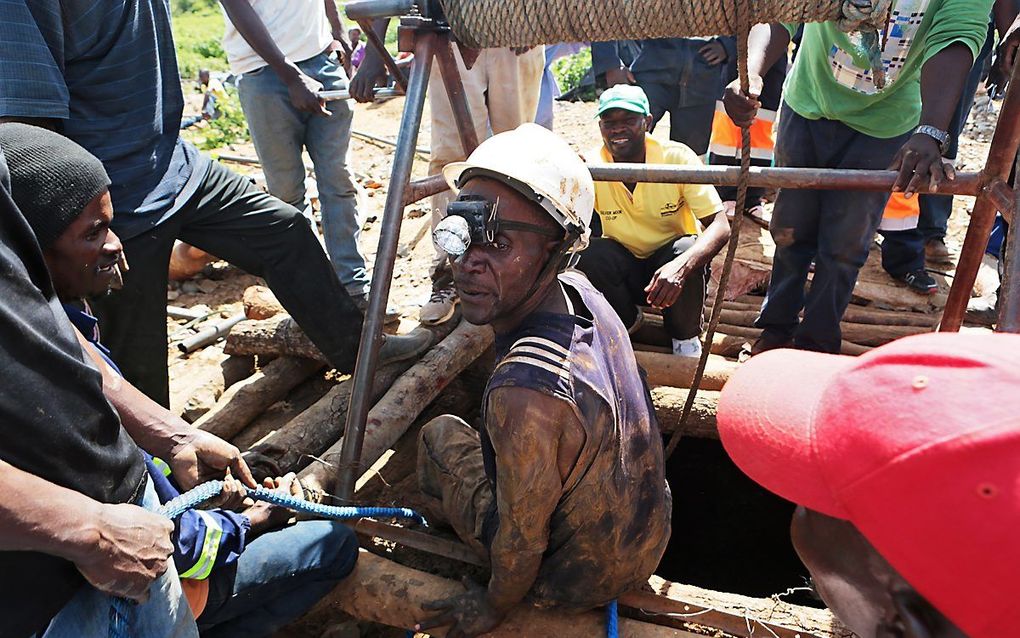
165, 615
622, 277
832, 228
280, 134
277, 578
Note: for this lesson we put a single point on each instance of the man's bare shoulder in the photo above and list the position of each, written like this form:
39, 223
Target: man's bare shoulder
526, 412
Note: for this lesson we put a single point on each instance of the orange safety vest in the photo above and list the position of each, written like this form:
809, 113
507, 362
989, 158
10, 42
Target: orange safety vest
900, 213
726, 135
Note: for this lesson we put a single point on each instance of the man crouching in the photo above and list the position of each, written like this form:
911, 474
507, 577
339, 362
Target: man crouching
563, 488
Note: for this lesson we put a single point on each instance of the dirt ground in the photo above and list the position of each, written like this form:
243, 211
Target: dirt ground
217, 291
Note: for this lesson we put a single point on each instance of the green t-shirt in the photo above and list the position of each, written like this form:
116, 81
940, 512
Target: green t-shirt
832, 77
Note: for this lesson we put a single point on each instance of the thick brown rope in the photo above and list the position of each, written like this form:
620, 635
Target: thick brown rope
518, 23
745, 23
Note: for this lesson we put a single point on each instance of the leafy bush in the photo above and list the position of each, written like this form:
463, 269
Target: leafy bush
230, 127
569, 72
198, 36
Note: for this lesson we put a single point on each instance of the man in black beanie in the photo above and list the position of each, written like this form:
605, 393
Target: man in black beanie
73, 531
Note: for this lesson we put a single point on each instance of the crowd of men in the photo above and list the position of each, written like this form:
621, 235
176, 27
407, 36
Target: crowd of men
561, 488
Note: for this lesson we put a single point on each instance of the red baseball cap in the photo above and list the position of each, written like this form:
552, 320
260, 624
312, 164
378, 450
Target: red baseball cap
917, 443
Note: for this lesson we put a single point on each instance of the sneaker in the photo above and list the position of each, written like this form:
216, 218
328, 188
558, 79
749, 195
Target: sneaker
401, 347
687, 347
391, 317
919, 281
936, 251
440, 307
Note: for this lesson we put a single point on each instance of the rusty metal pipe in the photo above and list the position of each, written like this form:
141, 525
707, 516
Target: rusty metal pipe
393, 210
1001, 156
835, 179
372, 9
813, 178
455, 93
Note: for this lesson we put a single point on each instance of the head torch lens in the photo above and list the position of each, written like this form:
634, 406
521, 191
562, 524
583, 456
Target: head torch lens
453, 235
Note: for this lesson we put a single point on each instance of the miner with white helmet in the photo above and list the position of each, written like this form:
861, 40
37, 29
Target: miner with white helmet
562, 488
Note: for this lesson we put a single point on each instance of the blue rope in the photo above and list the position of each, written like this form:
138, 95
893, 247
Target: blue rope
121, 609
612, 620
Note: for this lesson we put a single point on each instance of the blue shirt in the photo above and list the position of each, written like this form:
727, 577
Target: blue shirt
107, 69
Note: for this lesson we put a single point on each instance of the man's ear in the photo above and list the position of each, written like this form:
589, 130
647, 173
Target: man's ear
648, 122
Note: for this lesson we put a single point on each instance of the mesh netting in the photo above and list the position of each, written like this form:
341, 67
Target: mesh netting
499, 23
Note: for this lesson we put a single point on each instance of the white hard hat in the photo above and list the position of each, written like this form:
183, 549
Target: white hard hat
545, 163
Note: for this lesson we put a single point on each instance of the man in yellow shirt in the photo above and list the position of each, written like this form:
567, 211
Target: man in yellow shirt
657, 239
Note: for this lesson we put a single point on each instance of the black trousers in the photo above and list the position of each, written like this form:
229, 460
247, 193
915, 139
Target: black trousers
232, 219
622, 278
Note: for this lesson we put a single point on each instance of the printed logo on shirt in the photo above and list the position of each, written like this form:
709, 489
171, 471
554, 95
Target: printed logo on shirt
670, 208
610, 215
904, 21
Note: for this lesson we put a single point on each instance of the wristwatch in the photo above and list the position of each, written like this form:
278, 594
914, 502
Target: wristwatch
940, 136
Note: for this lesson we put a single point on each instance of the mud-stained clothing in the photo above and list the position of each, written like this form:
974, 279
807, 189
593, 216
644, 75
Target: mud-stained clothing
612, 522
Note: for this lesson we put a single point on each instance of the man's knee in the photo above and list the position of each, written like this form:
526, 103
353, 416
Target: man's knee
440, 438
342, 546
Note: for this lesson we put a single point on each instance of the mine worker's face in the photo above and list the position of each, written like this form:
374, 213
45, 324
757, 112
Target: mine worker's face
83, 261
863, 590
623, 133
493, 279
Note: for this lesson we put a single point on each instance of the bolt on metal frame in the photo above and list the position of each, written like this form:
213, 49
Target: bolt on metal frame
425, 33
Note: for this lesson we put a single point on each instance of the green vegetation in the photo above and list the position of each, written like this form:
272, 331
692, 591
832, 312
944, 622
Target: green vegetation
198, 31
570, 71
230, 127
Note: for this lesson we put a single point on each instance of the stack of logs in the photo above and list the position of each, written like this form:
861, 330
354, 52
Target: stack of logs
309, 441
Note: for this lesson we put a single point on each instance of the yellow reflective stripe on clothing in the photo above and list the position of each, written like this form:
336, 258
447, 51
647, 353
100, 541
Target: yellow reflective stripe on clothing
161, 466
210, 547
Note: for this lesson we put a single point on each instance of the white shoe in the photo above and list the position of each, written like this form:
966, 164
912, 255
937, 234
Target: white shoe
440, 307
687, 347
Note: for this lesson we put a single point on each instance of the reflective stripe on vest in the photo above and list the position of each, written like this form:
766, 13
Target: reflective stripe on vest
210, 548
726, 135
900, 213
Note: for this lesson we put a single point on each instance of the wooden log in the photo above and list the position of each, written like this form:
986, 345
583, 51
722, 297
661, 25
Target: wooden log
669, 407
244, 401
410, 394
277, 336
678, 372
314, 430
260, 303
732, 613
385, 592
853, 315
194, 394
381, 591
283, 412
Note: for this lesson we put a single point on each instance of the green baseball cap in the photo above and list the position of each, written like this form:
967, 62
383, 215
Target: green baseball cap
624, 96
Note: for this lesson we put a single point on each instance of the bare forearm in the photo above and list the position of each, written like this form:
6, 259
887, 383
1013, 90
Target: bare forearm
942, 79
766, 45
39, 516
514, 570
335, 23
154, 428
373, 59
250, 26
710, 242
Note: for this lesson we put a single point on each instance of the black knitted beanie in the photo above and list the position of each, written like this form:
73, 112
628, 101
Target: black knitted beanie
52, 178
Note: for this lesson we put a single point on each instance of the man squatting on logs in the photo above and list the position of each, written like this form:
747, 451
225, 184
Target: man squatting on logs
563, 486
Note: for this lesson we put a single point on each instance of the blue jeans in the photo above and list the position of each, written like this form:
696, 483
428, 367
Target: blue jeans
280, 133
165, 615
833, 228
277, 578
